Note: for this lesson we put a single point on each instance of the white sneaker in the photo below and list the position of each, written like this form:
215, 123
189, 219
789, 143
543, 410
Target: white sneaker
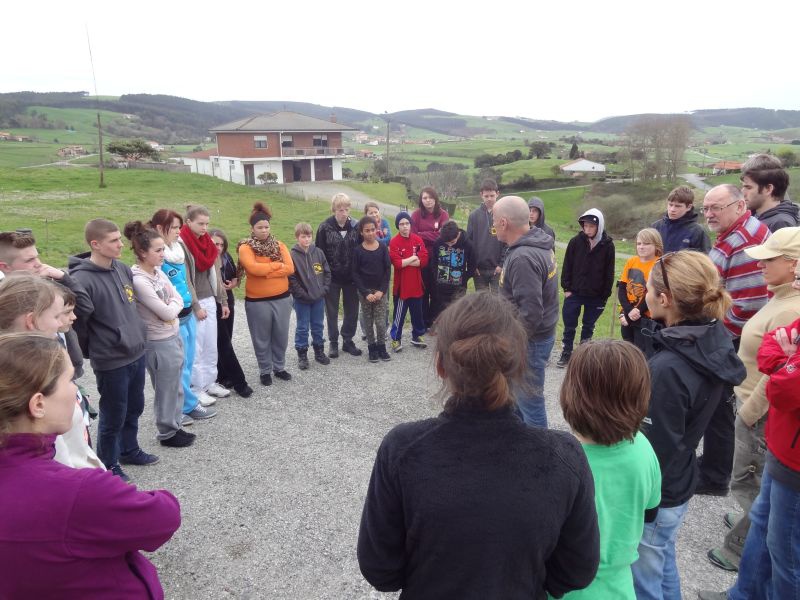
205, 399
217, 390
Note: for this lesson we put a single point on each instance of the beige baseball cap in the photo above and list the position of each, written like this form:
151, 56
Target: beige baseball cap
784, 242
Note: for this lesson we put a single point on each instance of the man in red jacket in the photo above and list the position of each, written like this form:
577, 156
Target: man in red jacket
409, 255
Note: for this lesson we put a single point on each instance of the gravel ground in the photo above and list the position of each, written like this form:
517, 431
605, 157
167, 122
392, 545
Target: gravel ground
271, 493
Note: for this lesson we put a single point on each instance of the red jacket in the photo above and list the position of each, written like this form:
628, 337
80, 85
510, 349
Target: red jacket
782, 429
407, 280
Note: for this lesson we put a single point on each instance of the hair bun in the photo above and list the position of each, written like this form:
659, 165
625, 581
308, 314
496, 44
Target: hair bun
133, 228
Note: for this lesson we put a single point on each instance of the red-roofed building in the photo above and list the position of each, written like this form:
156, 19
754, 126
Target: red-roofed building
293, 146
726, 166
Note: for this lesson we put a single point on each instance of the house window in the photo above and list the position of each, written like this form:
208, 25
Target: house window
232, 165
321, 140
260, 140
287, 141
216, 161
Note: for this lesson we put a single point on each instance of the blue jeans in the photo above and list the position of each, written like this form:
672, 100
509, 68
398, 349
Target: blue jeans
121, 403
188, 331
592, 309
309, 316
770, 566
655, 573
530, 397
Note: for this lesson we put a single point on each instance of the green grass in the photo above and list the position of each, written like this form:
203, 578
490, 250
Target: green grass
19, 154
390, 193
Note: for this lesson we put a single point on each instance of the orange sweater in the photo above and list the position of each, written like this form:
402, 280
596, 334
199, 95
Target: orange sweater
265, 278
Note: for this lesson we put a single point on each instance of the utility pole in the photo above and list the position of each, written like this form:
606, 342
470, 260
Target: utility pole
97, 100
388, 121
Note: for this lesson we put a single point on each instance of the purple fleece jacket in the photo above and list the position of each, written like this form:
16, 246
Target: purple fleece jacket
72, 534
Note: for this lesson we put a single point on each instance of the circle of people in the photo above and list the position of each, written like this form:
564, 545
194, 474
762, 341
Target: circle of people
483, 501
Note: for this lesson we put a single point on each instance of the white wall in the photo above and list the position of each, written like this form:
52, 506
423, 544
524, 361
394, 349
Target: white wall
337, 169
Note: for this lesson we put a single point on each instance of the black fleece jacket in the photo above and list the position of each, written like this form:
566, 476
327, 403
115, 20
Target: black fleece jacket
476, 505
589, 271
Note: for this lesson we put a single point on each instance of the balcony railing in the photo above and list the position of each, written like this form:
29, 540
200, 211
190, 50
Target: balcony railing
317, 151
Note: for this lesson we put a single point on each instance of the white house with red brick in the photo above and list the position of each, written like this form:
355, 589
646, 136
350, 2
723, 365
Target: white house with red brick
293, 146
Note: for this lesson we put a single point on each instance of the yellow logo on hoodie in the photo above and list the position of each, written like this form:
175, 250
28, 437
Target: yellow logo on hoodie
129, 293
317, 268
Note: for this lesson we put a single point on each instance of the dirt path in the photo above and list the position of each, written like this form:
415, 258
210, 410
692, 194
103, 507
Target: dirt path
325, 190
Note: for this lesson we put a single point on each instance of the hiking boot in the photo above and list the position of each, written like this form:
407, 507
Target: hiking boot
382, 354
266, 379
373, 353
244, 390
140, 458
419, 342
186, 420
205, 399
302, 358
319, 354
350, 347
563, 360
117, 470
181, 439
201, 413
283, 375
397, 346
717, 558
217, 390
333, 350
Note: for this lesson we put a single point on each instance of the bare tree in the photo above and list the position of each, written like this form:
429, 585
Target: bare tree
661, 141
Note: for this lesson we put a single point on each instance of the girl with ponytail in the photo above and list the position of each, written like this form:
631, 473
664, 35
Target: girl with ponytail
694, 361
474, 503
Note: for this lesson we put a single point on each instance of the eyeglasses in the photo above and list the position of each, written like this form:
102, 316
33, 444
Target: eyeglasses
663, 262
715, 210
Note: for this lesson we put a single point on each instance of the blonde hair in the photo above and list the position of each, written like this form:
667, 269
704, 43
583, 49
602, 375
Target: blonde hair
340, 200
694, 285
302, 228
651, 236
22, 293
18, 381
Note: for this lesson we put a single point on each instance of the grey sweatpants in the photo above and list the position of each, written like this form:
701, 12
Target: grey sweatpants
164, 362
268, 321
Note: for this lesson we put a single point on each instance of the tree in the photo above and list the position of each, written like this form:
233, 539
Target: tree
788, 158
539, 149
556, 170
661, 141
133, 150
573, 152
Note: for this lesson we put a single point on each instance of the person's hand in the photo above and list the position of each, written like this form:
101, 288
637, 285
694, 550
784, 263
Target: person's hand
201, 314
567, 294
497, 270
378, 295
623, 321
634, 315
226, 312
231, 283
51, 272
477, 273
788, 343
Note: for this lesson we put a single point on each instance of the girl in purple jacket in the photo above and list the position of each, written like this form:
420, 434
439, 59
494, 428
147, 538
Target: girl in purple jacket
66, 533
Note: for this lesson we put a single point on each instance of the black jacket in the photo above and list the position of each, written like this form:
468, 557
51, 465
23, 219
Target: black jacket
783, 215
338, 248
477, 505
454, 264
683, 234
589, 272
692, 366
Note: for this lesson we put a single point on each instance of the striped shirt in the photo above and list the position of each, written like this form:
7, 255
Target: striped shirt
739, 273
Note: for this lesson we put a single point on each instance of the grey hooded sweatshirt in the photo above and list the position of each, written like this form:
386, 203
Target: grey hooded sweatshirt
785, 214
537, 203
312, 274
529, 280
113, 334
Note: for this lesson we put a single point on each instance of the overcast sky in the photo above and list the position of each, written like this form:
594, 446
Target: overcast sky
569, 60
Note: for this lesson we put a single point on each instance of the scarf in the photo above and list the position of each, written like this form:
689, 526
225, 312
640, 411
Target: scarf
268, 248
203, 249
174, 254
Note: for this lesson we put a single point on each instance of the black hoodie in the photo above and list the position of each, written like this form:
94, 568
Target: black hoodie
113, 334
692, 365
783, 215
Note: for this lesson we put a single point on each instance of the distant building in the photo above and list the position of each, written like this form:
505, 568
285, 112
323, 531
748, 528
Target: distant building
726, 166
293, 146
582, 165
71, 151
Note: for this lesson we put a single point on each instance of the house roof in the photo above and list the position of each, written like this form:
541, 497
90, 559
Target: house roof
728, 165
280, 121
587, 165
203, 153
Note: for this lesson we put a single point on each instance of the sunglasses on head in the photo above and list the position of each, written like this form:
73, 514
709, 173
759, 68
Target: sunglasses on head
663, 262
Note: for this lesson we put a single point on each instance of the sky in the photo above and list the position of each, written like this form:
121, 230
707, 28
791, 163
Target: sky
567, 61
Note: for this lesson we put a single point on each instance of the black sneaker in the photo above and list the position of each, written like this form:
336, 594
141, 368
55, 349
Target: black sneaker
244, 390
181, 439
283, 375
117, 470
139, 458
706, 489
351, 348
266, 379
373, 353
563, 359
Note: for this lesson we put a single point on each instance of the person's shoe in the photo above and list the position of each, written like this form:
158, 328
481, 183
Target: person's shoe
205, 399
302, 359
382, 354
333, 350
217, 390
563, 360
186, 420
717, 558
283, 375
201, 413
117, 470
350, 347
730, 519
706, 489
319, 354
397, 346
266, 379
181, 439
226, 383
708, 595
244, 390
372, 353
363, 338
419, 342
139, 458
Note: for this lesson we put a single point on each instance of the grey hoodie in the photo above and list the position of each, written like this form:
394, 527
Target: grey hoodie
537, 203
312, 274
529, 280
487, 250
113, 334
785, 214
